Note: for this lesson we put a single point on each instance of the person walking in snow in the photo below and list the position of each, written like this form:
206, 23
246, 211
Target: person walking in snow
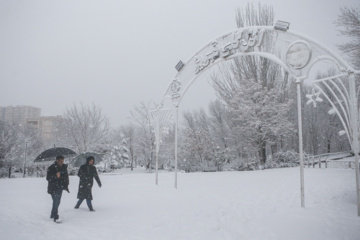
58, 180
87, 173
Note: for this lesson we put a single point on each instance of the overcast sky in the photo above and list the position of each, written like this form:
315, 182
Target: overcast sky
54, 53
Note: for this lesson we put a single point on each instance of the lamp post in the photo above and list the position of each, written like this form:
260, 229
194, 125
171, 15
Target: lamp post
25, 159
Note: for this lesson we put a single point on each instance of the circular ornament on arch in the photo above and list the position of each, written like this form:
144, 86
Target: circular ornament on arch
298, 55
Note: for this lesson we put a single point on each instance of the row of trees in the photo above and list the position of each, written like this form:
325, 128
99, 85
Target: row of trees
239, 132
254, 118
17, 143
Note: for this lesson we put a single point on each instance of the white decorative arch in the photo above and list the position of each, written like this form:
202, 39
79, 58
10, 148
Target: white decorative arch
250, 41
297, 55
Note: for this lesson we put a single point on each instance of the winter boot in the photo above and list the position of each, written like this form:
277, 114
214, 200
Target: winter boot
77, 206
91, 209
57, 219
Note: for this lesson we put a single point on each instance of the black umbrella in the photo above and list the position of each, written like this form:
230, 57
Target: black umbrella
50, 154
81, 159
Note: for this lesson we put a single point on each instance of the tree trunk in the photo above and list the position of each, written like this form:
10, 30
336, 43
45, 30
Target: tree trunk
262, 153
274, 148
328, 145
9, 172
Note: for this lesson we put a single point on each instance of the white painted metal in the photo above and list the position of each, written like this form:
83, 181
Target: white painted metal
176, 142
301, 154
354, 124
159, 118
249, 41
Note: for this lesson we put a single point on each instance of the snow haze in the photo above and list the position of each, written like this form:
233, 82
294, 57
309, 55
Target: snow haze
118, 53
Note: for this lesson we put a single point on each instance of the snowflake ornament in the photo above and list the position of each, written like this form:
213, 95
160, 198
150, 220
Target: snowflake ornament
314, 97
165, 130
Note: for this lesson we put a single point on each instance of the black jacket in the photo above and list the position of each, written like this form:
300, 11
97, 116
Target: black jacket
57, 183
87, 173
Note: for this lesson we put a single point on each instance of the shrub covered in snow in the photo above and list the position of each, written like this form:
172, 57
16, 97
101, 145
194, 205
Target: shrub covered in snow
283, 159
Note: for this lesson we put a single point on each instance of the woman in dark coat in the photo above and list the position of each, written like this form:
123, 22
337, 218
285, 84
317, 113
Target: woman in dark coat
87, 173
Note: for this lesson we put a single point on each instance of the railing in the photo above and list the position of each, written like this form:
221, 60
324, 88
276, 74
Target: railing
330, 160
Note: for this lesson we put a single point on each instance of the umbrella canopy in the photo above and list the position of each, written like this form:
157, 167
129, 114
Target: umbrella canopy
81, 159
50, 154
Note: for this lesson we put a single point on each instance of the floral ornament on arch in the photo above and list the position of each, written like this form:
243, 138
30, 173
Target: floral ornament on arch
175, 88
314, 97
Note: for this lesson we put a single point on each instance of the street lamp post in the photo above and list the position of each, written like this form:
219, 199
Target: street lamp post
25, 159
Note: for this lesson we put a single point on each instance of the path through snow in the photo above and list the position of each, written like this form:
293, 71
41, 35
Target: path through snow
227, 205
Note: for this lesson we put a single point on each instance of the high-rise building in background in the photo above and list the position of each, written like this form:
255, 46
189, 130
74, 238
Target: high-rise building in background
29, 115
19, 114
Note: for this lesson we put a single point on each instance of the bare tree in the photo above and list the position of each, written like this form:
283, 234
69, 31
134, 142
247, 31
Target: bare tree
220, 122
84, 128
263, 15
349, 23
145, 137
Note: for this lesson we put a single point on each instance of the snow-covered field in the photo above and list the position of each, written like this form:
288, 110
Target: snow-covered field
228, 205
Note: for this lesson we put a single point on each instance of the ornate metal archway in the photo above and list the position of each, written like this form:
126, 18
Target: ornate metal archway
297, 55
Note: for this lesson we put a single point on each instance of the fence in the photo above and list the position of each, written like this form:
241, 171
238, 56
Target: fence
330, 160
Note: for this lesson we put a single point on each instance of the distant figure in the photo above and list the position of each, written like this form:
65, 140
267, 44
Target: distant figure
58, 179
87, 173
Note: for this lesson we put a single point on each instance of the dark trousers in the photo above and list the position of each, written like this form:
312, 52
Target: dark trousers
56, 197
88, 202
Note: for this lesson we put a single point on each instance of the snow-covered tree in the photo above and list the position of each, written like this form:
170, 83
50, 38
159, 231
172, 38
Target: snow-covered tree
221, 157
219, 121
16, 141
196, 138
128, 135
167, 147
321, 129
117, 156
252, 88
260, 115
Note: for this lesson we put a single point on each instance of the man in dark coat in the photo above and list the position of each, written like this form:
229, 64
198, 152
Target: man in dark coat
58, 180
87, 173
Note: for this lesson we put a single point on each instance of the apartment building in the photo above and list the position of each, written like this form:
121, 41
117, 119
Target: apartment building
46, 125
32, 116
19, 114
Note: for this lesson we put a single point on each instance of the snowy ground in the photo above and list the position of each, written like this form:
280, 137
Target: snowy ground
228, 205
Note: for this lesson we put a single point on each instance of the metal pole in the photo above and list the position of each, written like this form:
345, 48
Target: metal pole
298, 87
176, 142
157, 148
355, 137
25, 159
